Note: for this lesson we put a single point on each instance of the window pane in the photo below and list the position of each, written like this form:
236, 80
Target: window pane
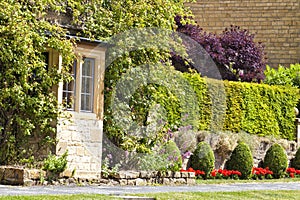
69, 89
87, 84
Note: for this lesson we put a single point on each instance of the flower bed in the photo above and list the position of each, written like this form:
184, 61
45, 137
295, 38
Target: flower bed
258, 173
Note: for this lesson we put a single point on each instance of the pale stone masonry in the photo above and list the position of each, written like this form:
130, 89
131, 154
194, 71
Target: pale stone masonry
276, 23
82, 137
80, 128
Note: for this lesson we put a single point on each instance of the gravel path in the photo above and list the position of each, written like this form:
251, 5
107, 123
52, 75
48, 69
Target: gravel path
122, 190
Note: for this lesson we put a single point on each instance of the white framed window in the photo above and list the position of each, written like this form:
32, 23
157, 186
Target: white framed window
87, 85
78, 94
69, 89
83, 94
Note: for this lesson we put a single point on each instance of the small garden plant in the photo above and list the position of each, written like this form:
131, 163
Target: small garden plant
296, 161
276, 160
203, 159
241, 160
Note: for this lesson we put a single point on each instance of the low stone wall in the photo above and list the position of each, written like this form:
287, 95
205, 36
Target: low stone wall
151, 178
29, 177
19, 176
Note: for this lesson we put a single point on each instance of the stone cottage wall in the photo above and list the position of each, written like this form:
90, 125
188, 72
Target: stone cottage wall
82, 137
275, 22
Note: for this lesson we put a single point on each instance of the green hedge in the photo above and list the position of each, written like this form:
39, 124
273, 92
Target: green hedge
254, 108
216, 105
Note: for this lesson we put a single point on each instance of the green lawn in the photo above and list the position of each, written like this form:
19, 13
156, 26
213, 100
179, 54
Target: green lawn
59, 197
247, 195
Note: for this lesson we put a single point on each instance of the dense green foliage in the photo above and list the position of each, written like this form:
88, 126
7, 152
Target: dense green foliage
28, 108
55, 164
255, 108
173, 156
203, 158
296, 160
283, 75
241, 160
166, 157
289, 76
276, 160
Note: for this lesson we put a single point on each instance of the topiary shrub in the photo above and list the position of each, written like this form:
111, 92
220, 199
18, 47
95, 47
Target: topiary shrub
296, 160
276, 160
241, 160
203, 159
173, 156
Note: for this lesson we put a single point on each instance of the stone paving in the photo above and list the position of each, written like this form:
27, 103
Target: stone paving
125, 190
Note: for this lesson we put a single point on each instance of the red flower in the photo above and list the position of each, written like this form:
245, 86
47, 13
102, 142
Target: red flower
297, 172
214, 173
292, 175
199, 172
291, 170
191, 170
183, 170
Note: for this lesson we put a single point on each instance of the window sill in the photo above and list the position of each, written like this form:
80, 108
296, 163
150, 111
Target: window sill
82, 115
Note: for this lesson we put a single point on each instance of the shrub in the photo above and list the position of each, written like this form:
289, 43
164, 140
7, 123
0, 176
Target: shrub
203, 159
258, 109
56, 164
288, 76
296, 160
235, 52
241, 160
276, 160
243, 56
173, 156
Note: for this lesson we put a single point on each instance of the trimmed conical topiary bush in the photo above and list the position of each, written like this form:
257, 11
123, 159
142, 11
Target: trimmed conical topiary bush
296, 160
276, 160
203, 159
241, 160
173, 156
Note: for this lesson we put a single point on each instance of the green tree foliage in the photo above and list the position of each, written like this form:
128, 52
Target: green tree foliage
241, 159
203, 158
28, 108
287, 76
113, 21
276, 160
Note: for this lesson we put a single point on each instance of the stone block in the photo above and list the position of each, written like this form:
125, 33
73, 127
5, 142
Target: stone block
145, 174
191, 175
140, 182
176, 175
96, 135
131, 182
34, 174
132, 175
28, 183
166, 181
184, 174
190, 181
66, 174
180, 181
13, 176
168, 174
123, 182
120, 175
80, 151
